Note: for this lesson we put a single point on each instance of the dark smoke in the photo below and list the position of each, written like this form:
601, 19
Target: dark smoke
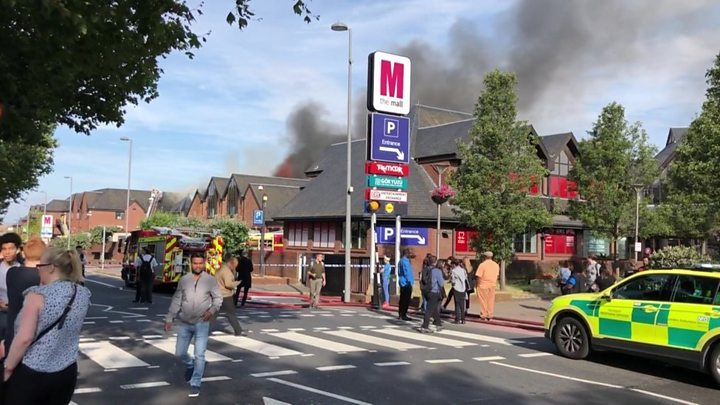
556, 48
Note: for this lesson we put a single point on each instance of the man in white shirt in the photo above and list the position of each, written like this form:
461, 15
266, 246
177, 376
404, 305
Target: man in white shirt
10, 244
145, 266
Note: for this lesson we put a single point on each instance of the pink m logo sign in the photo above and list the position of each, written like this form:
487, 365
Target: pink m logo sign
392, 77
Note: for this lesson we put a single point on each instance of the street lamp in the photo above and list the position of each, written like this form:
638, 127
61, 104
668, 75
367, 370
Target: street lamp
262, 235
127, 206
440, 169
340, 27
638, 190
44, 203
69, 216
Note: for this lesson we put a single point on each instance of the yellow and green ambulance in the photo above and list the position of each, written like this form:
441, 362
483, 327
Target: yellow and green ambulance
670, 314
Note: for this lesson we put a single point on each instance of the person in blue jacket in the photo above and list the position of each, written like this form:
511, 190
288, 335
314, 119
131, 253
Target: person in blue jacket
406, 279
386, 282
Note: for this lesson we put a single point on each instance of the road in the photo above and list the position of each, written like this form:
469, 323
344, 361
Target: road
351, 355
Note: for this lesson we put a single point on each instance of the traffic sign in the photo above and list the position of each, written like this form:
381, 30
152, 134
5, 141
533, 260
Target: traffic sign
388, 83
258, 217
409, 236
386, 195
387, 182
387, 169
389, 138
387, 208
46, 229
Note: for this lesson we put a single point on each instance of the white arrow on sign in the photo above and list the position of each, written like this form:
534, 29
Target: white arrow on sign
400, 154
418, 237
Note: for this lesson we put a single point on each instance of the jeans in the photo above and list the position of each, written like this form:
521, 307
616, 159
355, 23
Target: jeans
404, 303
433, 309
315, 288
386, 289
200, 330
459, 305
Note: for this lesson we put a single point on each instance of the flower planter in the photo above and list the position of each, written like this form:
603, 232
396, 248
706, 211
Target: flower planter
439, 199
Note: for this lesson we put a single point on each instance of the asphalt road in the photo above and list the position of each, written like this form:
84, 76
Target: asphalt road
353, 355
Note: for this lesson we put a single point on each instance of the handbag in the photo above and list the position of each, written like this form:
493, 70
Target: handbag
58, 322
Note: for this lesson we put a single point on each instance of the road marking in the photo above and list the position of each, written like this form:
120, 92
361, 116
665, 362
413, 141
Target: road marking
327, 315
296, 329
321, 328
117, 321
139, 309
653, 394
101, 283
96, 317
345, 327
424, 337
368, 327
110, 356
378, 341
236, 360
307, 315
264, 316
333, 368
256, 346
318, 342
144, 320
274, 373
153, 366
218, 378
152, 336
538, 354
317, 391
347, 314
119, 338
285, 316
89, 323
145, 385
270, 330
87, 390
392, 364
489, 358
168, 345
443, 361
270, 401
474, 336
108, 370
83, 340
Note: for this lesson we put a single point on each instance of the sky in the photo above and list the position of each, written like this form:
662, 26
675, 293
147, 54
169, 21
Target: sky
235, 107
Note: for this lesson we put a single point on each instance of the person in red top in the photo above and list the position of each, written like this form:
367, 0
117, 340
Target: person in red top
487, 275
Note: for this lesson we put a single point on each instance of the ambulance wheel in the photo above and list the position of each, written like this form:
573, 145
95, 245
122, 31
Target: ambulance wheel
571, 338
714, 364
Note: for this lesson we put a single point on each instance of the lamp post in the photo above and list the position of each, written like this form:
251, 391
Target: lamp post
440, 169
44, 203
262, 235
340, 27
69, 216
127, 206
638, 190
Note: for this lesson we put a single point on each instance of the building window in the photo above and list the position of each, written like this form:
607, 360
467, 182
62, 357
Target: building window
561, 187
562, 164
232, 196
324, 235
525, 242
358, 233
297, 233
595, 245
119, 215
211, 205
560, 241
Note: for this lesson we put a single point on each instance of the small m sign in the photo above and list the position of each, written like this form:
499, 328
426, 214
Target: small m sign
388, 83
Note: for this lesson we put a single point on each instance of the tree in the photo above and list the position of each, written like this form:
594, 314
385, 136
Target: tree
96, 233
694, 175
234, 233
499, 165
614, 162
79, 64
170, 220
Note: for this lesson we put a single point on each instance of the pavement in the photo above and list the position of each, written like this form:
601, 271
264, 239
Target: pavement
344, 354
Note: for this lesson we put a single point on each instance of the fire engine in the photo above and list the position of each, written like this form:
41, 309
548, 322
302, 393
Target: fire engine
172, 249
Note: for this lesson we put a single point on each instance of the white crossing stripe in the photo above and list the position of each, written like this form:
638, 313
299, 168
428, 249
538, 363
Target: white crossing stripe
296, 329
218, 378
145, 385
318, 342
317, 391
489, 358
274, 373
443, 361
333, 368
256, 346
87, 390
536, 354
110, 356
475, 336
392, 363
378, 341
424, 337
168, 345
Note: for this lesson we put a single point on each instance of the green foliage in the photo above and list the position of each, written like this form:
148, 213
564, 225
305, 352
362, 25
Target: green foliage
695, 173
234, 233
615, 160
677, 257
499, 164
97, 232
170, 220
83, 239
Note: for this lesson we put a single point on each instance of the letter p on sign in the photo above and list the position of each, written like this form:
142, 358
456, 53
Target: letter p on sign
389, 232
391, 128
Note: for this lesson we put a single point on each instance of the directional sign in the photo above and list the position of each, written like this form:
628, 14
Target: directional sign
387, 169
46, 229
386, 195
387, 182
389, 138
408, 236
258, 217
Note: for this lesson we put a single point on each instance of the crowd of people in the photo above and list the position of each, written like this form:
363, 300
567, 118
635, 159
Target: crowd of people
592, 277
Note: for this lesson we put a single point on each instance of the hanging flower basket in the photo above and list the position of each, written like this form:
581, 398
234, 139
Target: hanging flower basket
441, 194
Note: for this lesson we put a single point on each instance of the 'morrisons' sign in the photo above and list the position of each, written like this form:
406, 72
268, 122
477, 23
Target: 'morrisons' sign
388, 83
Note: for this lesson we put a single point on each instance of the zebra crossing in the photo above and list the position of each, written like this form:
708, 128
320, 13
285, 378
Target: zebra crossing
125, 353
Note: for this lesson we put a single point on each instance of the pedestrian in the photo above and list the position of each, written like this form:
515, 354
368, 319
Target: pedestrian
563, 274
425, 278
487, 274
41, 367
447, 271
81, 255
458, 278
606, 279
645, 264
387, 268
592, 272
20, 279
195, 302
406, 279
227, 284
435, 288
576, 283
316, 279
244, 275
10, 244
145, 275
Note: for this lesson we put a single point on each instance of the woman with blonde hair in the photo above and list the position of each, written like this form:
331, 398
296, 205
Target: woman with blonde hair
41, 367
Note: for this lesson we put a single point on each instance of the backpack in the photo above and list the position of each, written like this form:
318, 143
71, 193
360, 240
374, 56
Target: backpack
426, 279
145, 266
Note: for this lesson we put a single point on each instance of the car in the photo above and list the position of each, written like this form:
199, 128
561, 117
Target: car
671, 314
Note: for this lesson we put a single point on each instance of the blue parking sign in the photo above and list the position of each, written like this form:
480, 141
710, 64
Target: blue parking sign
258, 217
389, 138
